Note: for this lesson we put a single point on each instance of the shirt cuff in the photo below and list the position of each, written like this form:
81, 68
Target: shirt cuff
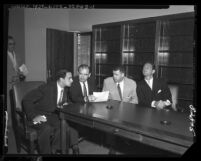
167, 103
153, 104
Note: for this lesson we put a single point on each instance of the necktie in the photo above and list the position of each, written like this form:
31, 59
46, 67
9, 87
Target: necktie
60, 98
85, 92
119, 90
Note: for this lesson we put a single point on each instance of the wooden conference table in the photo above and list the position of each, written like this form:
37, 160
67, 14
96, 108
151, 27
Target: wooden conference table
132, 121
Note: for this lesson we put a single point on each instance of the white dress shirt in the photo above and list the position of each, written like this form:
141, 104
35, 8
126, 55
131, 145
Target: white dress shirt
58, 92
12, 57
82, 86
150, 82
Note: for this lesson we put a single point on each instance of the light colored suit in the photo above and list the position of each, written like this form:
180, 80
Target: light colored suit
129, 91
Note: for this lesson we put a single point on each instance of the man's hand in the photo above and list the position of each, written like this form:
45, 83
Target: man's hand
91, 98
159, 105
39, 119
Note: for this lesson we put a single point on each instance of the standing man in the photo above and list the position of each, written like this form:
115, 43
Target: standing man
40, 106
153, 92
83, 87
13, 72
120, 87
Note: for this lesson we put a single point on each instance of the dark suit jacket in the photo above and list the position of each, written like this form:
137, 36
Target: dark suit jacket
76, 90
160, 91
42, 101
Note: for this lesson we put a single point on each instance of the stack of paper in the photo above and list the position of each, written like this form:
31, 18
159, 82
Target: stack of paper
23, 69
101, 96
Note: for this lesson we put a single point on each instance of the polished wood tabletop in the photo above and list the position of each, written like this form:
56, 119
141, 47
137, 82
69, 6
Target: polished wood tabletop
165, 129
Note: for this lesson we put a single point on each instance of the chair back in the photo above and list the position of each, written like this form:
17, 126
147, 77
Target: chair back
20, 89
174, 91
21, 131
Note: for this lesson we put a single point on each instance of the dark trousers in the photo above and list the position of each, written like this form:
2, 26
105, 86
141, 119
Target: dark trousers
49, 135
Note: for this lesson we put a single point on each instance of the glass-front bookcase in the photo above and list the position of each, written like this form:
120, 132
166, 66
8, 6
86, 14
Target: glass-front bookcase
167, 41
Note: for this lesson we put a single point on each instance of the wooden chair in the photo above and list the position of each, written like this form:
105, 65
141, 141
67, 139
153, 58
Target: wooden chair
25, 136
174, 91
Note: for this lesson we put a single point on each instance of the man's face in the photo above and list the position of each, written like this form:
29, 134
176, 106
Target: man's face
84, 74
118, 76
148, 70
67, 81
11, 45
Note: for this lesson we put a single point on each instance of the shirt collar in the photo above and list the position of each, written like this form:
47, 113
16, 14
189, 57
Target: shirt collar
120, 83
59, 87
149, 79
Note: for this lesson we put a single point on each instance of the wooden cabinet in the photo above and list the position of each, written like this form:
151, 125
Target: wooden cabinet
167, 41
107, 51
175, 55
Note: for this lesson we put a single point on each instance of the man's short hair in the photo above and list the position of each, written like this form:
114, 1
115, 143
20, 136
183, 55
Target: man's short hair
61, 74
84, 66
152, 64
120, 68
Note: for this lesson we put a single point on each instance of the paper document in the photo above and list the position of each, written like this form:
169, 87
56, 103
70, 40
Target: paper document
101, 96
23, 69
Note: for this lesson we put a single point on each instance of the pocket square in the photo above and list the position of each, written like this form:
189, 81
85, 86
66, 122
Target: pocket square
159, 91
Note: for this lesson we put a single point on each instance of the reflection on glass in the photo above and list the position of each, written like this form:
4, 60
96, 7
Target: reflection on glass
163, 58
104, 57
131, 58
98, 57
100, 111
164, 44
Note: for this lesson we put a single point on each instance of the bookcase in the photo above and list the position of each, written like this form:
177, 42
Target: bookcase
175, 55
167, 41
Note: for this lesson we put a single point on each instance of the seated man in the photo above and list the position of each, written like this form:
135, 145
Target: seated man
153, 92
120, 87
40, 106
82, 87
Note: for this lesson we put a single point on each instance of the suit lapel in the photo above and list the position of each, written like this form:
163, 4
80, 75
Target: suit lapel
154, 87
55, 93
80, 88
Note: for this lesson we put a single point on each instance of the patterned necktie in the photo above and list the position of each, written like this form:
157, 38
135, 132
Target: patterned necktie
60, 98
85, 92
119, 90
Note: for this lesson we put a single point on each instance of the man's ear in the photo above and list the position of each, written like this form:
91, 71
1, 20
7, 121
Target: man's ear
89, 74
153, 71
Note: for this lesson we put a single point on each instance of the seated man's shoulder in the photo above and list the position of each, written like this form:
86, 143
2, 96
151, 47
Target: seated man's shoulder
129, 80
108, 79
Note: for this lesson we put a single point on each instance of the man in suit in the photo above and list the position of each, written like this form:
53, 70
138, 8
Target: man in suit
120, 87
13, 72
82, 87
41, 107
153, 92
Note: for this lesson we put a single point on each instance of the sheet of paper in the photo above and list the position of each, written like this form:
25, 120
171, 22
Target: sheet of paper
23, 69
101, 96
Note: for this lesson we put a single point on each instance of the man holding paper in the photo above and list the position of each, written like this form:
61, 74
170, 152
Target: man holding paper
14, 72
82, 87
120, 87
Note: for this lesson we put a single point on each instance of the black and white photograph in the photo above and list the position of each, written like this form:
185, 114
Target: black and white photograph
98, 80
